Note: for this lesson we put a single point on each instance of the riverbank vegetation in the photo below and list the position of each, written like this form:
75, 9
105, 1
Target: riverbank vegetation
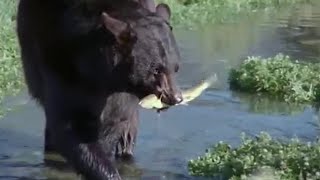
11, 80
191, 13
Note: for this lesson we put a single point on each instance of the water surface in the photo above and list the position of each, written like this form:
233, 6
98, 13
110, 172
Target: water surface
167, 142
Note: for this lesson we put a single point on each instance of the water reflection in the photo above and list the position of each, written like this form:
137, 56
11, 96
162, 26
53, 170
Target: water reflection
300, 31
269, 105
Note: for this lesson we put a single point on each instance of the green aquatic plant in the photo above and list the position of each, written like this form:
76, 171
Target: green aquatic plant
288, 160
279, 76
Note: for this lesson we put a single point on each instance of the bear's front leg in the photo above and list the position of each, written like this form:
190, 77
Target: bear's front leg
126, 143
88, 159
85, 152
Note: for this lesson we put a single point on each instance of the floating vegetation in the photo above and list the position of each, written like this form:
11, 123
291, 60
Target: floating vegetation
279, 76
288, 160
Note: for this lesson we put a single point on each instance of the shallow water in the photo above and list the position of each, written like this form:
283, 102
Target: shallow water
168, 141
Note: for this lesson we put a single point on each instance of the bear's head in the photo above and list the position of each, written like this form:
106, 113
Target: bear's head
148, 48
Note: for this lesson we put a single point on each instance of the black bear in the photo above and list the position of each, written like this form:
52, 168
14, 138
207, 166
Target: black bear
88, 63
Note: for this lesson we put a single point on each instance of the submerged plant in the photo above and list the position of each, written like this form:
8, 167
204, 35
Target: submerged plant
288, 160
278, 76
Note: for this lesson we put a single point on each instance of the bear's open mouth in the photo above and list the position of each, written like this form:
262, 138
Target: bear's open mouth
167, 91
167, 97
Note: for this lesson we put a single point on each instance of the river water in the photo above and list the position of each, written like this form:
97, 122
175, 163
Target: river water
167, 142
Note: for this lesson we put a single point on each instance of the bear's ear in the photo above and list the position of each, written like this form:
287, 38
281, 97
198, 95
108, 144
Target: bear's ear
164, 11
148, 4
161, 9
121, 30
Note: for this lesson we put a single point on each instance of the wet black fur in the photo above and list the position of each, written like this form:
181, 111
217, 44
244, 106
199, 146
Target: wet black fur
89, 85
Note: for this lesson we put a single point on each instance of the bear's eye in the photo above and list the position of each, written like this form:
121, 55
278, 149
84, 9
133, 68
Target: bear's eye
158, 70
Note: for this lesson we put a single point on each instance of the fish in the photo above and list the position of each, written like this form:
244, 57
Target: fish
153, 102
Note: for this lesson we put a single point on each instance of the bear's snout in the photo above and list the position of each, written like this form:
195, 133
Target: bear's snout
168, 91
172, 98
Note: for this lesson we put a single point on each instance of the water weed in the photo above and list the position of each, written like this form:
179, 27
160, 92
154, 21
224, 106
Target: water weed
278, 76
289, 160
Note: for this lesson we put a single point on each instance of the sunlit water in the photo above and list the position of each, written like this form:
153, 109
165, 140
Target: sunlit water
167, 142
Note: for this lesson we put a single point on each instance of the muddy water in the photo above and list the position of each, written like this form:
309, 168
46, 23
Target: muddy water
166, 142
